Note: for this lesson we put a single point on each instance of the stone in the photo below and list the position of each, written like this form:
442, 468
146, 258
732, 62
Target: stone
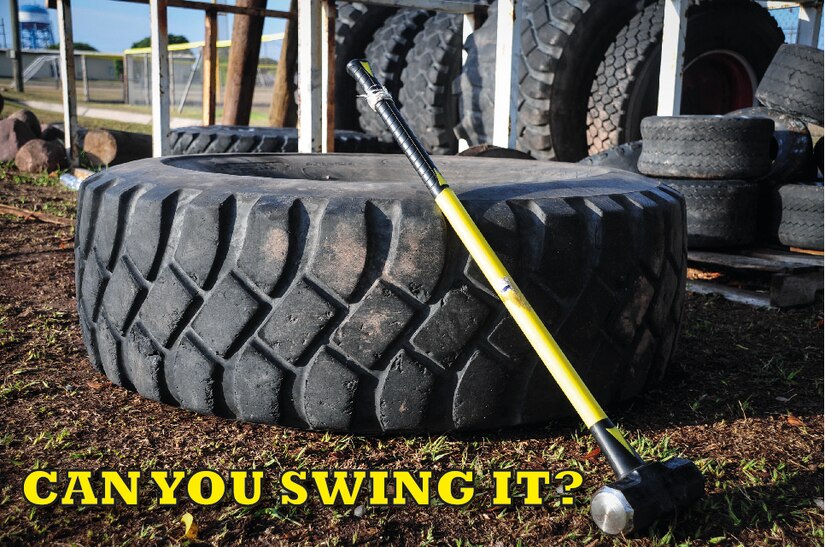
13, 135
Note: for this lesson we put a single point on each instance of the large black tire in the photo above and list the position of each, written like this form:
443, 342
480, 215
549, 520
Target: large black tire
327, 292
387, 55
427, 99
801, 215
791, 149
720, 213
706, 147
223, 139
794, 82
738, 33
355, 25
624, 157
563, 42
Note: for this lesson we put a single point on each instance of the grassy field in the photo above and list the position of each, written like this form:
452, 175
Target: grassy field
743, 398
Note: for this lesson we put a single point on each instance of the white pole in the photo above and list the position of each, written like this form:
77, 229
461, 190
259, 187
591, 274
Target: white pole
673, 46
508, 59
160, 78
468, 26
310, 88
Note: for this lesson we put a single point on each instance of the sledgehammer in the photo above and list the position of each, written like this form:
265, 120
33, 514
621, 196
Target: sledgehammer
643, 492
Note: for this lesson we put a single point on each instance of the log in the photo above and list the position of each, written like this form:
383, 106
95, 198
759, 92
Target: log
104, 147
283, 111
39, 156
243, 65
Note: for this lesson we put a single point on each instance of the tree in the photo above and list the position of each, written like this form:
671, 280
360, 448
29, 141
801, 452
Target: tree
173, 39
78, 46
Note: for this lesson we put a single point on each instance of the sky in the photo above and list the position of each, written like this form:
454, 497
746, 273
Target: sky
112, 26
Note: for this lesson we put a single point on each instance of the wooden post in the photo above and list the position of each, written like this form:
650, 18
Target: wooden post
309, 76
210, 66
508, 59
283, 112
17, 58
67, 79
85, 71
243, 65
160, 77
125, 77
673, 47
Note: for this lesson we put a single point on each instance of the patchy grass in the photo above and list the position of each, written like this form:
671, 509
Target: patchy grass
743, 398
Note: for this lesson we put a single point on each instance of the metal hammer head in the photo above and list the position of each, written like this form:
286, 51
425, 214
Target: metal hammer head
648, 492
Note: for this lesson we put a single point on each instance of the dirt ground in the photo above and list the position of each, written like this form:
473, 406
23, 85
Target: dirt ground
743, 398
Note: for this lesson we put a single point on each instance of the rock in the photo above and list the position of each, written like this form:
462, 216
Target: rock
52, 132
27, 117
37, 156
13, 135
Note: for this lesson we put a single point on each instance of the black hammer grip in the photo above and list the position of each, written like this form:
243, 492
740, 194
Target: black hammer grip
381, 101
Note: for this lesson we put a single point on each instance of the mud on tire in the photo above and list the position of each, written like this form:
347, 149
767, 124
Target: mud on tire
327, 292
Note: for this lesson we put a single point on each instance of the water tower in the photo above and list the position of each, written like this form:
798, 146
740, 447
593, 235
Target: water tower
35, 28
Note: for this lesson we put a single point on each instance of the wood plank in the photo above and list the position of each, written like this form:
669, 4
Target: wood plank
741, 296
222, 8
448, 6
743, 263
790, 256
210, 67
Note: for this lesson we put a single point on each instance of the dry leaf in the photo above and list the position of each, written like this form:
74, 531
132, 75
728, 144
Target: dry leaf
794, 421
94, 385
191, 528
592, 454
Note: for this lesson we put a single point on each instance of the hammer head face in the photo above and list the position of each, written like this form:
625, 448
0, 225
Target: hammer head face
645, 494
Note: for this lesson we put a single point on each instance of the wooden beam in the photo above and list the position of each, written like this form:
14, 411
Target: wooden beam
468, 26
283, 112
508, 59
210, 66
309, 76
243, 65
452, 6
160, 77
673, 47
222, 8
84, 70
17, 58
67, 79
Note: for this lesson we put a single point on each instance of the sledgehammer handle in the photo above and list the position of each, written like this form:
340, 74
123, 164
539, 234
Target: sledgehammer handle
620, 454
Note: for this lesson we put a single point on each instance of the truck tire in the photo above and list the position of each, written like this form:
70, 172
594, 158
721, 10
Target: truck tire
223, 139
327, 292
563, 42
427, 98
794, 82
791, 149
728, 47
801, 212
624, 157
720, 213
355, 25
387, 55
706, 147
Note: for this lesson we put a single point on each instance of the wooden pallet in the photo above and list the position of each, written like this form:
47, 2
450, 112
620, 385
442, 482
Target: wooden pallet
782, 278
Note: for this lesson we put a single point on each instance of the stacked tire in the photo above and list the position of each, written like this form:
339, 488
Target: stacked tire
793, 89
712, 161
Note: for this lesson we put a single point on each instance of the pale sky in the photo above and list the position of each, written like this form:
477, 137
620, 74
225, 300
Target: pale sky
112, 26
